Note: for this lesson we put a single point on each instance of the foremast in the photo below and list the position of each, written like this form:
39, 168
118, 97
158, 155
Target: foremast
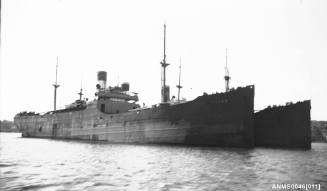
164, 64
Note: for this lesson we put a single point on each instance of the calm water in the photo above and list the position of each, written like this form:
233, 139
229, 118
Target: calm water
43, 164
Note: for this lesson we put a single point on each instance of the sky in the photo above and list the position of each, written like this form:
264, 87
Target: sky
278, 46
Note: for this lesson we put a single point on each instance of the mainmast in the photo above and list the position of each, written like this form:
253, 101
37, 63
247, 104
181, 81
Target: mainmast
179, 80
227, 77
164, 64
56, 85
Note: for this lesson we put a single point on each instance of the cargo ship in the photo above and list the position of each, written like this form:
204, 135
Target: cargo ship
284, 126
219, 119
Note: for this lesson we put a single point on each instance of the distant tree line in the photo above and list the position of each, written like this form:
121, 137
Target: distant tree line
318, 131
7, 126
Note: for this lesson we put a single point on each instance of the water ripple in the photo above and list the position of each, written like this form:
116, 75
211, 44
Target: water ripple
41, 164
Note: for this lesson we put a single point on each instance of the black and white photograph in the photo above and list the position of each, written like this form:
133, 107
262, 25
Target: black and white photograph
164, 95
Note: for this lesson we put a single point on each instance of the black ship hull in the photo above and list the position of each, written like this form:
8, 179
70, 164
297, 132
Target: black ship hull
284, 126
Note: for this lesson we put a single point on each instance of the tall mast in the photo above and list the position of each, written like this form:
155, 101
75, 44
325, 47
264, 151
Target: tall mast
56, 85
80, 93
164, 64
179, 80
227, 77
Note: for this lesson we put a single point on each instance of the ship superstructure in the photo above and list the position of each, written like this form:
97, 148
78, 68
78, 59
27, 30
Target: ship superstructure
114, 99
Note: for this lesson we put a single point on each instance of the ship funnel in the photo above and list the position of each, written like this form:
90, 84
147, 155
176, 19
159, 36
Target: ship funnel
102, 79
125, 86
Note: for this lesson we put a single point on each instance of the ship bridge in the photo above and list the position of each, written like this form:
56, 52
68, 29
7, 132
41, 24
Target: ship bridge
114, 99
117, 94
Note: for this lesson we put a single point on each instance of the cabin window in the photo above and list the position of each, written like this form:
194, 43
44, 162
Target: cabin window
40, 128
102, 109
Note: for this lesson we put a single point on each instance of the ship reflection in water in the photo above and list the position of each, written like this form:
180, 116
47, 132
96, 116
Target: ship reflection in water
46, 164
